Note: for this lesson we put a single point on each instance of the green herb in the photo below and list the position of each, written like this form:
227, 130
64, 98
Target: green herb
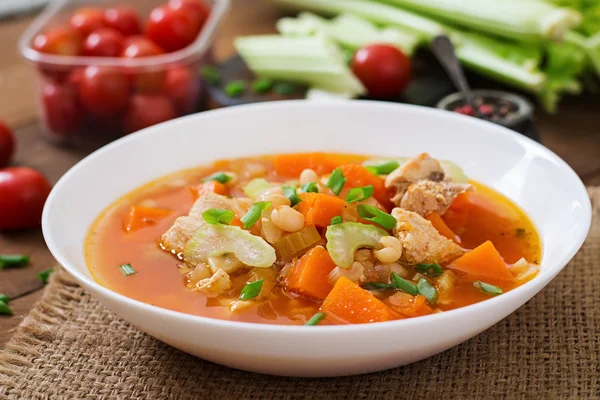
377, 286
375, 215
211, 74
426, 289
432, 270
13, 260
285, 88
127, 269
403, 285
487, 288
45, 275
262, 85
520, 233
5, 309
290, 193
218, 216
385, 168
4, 298
251, 290
359, 194
254, 213
315, 319
310, 187
235, 88
221, 177
336, 181
336, 220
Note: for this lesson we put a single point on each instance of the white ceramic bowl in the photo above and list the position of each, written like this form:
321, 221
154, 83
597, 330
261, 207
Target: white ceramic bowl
538, 180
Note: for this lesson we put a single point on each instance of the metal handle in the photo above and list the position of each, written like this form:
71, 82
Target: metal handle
442, 48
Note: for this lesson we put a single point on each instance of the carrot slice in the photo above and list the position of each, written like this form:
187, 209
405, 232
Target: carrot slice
309, 274
358, 175
141, 217
319, 208
485, 261
353, 304
439, 224
409, 305
210, 186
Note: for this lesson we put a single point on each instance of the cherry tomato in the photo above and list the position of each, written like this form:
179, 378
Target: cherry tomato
61, 109
196, 8
383, 69
123, 19
172, 29
23, 192
87, 20
147, 110
140, 46
144, 82
105, 42
7, 144
63, 41
183, 88
104, 90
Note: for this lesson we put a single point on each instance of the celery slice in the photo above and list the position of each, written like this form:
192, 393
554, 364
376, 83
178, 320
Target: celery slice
294, 244
256, 187
345, 238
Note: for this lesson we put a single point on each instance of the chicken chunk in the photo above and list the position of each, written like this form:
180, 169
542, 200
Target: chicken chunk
418, 168
209, 200
216, 285
426, 196
175, 239
421, 242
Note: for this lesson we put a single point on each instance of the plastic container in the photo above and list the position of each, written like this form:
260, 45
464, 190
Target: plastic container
67, 118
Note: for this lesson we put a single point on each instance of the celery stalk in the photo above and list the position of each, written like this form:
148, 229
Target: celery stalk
592, 49
311, 60
522, 20
380, 14
349, 31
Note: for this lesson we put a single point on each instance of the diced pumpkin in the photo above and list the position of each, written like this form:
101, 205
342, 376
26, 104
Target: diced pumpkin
484, 261
319, 208
308, 275
209, 186
353, 304
291, 165
439, 224
409, 305
358, 175
140, 217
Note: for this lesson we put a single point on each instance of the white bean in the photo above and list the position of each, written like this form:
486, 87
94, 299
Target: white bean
287, 218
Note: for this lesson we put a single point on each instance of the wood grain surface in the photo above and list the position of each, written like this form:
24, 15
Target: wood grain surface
573, 133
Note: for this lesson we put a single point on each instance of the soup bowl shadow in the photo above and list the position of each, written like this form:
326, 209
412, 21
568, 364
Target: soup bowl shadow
535, 178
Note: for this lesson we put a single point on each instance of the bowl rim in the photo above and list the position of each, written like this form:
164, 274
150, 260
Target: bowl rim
536, 284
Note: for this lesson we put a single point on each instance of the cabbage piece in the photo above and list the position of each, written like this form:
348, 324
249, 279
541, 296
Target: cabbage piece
345, 238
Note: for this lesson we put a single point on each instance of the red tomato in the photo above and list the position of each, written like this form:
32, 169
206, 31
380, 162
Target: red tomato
7, 144
61, 110
183, 88
145, 82
172, 29
23, 192
87, 20
124, 19
62, 41
383, 69
104, 90
147, 110
104, 42
140, 46
196, 8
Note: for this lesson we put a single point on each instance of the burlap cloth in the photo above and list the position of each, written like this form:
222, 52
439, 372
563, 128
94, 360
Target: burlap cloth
71, 347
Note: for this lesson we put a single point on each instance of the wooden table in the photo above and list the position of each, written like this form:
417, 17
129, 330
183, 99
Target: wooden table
574, 134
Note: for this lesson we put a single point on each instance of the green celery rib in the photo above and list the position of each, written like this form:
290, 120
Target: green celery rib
522, 20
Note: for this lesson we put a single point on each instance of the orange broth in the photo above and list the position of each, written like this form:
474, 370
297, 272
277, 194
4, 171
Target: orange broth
474, 217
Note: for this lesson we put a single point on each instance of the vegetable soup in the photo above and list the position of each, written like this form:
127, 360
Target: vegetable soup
315, 239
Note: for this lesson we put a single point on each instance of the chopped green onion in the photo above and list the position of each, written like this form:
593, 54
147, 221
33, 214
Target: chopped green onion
251, 290
221, 177
285, 88
254, 213
487, 288
5, 309
290, 193
375, 215
127, 269
315, 319
426, 289
336, 181
432, 270
336, 220
403, 285
385, 168
262, 85
4, 298
235, 88
218, 216
310, 187
45, 275
211, 74
13, 260
377, 286
359, 194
